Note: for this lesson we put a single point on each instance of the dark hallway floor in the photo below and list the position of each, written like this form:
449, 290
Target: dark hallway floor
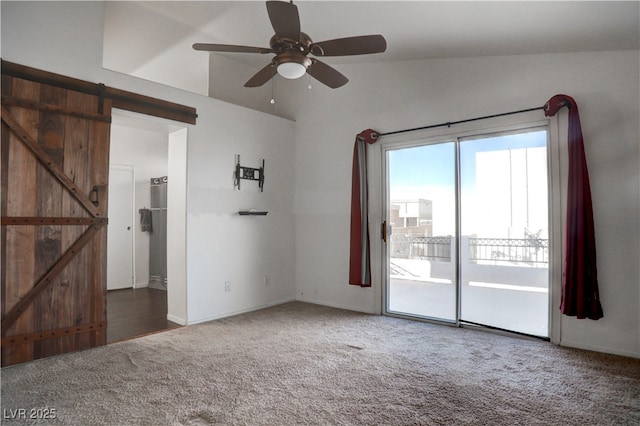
134, 313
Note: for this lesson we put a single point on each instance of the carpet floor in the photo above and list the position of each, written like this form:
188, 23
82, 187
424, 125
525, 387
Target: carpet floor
299, 364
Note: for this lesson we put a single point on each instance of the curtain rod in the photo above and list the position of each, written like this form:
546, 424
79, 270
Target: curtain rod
451, 123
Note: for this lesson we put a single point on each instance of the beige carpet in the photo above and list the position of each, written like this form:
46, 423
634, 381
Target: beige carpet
305, 364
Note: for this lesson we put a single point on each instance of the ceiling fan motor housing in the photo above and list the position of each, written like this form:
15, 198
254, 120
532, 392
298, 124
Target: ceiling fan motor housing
282, 44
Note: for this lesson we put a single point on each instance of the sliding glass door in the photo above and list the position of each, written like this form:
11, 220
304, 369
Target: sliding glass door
469, 231
422, 240
504, 260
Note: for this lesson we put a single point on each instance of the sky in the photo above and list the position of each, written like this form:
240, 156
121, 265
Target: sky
503, 192
434, 164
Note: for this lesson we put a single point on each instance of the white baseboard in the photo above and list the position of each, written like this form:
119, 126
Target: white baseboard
335, 305
241, 311
601, 349
141, 285
176, 319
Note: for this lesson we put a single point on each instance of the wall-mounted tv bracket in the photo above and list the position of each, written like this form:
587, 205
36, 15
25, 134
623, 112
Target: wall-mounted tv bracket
248, 173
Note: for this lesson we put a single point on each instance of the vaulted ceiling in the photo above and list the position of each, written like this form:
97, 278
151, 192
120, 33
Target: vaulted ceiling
153, 39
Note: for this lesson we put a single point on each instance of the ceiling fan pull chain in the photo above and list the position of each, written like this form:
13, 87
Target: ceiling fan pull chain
272, 101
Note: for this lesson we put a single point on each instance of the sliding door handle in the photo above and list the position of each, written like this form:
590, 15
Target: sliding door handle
384, 231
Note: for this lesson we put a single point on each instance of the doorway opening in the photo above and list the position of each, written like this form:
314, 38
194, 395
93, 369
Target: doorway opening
469, 230
146, 279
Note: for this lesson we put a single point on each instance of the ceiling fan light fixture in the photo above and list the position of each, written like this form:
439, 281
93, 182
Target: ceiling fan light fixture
291, 70
292, 65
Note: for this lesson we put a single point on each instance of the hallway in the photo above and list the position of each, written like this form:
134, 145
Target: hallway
134, 313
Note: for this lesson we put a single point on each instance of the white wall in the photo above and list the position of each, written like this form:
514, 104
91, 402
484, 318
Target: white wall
177, 227
66, 38
226, 82
393, 96
148, 60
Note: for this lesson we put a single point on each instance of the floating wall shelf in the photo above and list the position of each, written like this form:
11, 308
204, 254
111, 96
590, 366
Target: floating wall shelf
252, 213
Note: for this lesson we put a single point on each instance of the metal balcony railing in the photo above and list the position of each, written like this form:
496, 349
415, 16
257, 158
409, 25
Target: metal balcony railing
533, 251
514, 250
415, 247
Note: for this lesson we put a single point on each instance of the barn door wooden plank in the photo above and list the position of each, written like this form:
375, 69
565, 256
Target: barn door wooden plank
49, 162
5, 88
47, 107
21, 200
5, 135
100, 178
24, 302
39, 220
54, 334
77, 165
54, 235
48, 245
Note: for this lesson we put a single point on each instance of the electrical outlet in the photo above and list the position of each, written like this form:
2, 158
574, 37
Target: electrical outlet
227, 286
266, 280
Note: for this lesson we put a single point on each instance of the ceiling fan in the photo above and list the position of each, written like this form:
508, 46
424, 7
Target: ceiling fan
292, 47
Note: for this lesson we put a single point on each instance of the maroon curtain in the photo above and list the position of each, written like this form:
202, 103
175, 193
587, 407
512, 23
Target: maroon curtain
579, 282
359, 259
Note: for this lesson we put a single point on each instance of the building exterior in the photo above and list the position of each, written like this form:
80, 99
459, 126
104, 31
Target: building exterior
412, 217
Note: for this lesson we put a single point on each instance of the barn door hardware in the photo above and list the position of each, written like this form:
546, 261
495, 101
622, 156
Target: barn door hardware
248, 173
101, 92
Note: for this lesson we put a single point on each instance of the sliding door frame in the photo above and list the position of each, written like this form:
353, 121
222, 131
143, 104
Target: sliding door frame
386, 148
556, 158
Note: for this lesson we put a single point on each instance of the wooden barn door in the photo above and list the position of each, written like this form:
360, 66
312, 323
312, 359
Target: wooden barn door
55, 164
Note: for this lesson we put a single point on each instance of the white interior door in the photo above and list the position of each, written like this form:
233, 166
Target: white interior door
120, 235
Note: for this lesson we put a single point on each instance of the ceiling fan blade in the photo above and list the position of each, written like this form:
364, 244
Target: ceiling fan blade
285, 19
262, 76
212, 47
326, 74
359, 45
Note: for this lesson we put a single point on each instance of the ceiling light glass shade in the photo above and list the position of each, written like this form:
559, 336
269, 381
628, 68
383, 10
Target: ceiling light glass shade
291, 70
292, 64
